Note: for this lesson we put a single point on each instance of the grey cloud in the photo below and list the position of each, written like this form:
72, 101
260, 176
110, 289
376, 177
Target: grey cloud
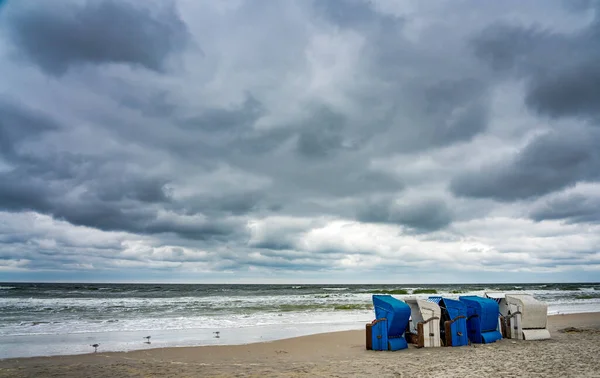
93, 191
550, 162
58, 36
571, 207
155, 105
284, 239
321, 135
221, 120
561, 69
421, 215
460, 109
19, 124
355, 14
561, 76
436, 105
108, 205
236, 202
574, 92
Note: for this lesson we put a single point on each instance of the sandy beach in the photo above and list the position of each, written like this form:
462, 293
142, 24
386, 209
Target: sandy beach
570, 353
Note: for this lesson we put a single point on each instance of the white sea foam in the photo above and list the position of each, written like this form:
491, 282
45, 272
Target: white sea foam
183, 323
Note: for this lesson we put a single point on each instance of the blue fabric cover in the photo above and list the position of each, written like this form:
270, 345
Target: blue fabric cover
456, 308
397, 314
482, 318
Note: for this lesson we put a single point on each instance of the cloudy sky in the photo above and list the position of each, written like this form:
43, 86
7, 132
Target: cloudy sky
299, 141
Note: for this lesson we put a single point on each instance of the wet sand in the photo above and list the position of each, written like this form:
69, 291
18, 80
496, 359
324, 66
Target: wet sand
341, 354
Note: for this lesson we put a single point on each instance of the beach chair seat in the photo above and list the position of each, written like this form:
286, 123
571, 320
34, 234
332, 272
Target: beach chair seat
453, 322
482, 319
527, 317
386, 332
425, 322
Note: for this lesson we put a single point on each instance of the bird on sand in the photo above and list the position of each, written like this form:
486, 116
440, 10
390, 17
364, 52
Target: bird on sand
95, 347
148, 339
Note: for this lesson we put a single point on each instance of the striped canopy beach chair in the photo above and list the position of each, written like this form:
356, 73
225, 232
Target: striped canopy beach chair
453, 322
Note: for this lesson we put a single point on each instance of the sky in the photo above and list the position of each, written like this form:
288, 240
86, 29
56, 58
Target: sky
300, 141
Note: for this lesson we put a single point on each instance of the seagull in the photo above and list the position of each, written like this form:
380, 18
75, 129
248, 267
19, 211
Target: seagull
217, 334
147, 338
95, 347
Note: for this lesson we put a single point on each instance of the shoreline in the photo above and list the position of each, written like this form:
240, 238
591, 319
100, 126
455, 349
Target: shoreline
112, 340
565, 354
553, 320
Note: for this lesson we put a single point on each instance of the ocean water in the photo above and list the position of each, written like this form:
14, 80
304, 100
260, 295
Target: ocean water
52, 319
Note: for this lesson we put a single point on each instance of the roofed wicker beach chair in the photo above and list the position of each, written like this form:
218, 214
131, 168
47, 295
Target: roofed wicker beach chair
528, 317
424, 325
482, 319
453, 322
386, 332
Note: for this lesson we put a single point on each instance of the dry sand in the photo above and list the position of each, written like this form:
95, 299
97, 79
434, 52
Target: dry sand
341, 354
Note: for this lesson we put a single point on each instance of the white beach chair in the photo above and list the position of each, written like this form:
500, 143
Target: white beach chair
528, 317
425, 322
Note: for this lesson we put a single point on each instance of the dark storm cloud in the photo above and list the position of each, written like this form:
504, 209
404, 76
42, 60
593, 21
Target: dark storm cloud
56, 36
460, 108
92, 191
355, 14
131, 208
437, 105
321, 135
18, 124
226, 120
154, 105
571, 207
422, 215
549, 163
562, 70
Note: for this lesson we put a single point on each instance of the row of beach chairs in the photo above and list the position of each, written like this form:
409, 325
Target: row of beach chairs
438, 321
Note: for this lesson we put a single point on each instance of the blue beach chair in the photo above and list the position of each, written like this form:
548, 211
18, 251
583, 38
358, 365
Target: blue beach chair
453, 325
386, 332
482, 319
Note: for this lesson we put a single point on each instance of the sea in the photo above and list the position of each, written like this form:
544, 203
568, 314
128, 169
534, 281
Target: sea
43, 319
